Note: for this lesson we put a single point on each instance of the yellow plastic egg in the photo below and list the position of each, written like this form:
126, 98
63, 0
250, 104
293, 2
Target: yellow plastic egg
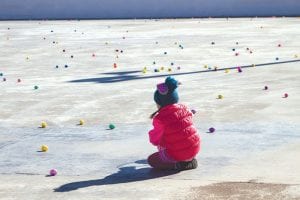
44, 148
81, 122
43, 124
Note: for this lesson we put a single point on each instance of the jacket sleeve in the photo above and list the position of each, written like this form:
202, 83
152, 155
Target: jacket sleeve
156, 133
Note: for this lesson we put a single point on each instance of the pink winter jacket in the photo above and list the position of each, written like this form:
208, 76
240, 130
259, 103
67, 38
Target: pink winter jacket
174, 131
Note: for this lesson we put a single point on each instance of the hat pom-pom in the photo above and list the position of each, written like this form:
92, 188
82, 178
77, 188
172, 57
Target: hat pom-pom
171, 83
162, 88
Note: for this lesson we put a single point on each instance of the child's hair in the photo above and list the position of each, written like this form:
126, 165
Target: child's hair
153, 114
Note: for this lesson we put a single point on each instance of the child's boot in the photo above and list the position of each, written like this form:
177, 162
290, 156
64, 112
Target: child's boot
187, 165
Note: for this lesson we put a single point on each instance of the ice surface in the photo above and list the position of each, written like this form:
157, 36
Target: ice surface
99, 151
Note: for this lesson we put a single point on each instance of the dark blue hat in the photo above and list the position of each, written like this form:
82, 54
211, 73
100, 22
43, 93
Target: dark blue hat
166, 92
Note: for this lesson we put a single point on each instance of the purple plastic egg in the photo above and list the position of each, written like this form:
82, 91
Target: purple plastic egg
53, 172
211, 130
239, 69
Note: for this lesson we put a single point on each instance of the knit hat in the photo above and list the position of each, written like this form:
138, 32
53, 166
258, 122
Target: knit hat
166, 92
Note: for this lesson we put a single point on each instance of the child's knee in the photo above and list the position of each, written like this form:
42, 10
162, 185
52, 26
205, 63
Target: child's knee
153, 159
